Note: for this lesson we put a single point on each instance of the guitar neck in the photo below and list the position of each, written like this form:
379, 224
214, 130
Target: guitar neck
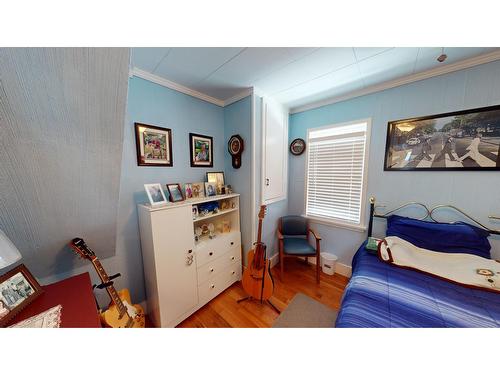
259, 233
110, 289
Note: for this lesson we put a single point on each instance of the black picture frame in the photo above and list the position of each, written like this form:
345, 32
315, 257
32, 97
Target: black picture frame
193, 150
467, 140
142, 159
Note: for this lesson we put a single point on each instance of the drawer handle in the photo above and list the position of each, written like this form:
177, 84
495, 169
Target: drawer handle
232, 243
190, 251
211, 270
232, 273
211, 253
212, 286
232, 258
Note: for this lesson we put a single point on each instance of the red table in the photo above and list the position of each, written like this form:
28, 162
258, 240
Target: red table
75, 296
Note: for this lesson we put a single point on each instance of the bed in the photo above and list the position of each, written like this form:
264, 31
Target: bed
383, 295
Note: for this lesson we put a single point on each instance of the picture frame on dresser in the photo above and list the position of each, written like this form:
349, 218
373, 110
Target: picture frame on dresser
155, 194
175, 192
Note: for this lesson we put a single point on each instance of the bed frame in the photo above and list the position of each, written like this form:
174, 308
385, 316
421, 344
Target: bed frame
429, 213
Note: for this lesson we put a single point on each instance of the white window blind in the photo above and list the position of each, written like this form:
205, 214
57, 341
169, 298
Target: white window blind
335, 172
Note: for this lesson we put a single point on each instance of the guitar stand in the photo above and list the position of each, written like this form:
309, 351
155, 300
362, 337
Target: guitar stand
262, 289
261, 301
108, 284
104, 286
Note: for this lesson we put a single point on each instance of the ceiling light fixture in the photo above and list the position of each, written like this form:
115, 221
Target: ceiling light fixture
442, 56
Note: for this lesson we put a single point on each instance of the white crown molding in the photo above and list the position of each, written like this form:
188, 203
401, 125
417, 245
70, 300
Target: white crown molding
239, 96
175, 86
186, 90
459, 65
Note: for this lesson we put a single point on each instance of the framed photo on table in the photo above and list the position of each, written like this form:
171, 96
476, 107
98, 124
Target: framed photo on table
154, 146
201, 150
18, 288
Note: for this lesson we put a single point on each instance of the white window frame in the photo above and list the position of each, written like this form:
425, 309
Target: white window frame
361, 227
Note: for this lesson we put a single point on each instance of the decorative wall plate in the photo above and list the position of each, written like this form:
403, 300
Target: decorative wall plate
298, 146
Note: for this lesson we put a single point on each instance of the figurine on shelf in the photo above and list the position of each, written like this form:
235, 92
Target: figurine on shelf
226, 226
211, 231
229, 189
233, 204
197, 234
195, 212
224, 205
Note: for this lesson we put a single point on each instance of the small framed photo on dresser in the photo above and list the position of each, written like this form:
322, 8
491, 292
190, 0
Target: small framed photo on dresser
175, 192
155, 194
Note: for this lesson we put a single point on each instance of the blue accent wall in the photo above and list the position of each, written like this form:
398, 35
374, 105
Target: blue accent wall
238, 120
475, 192
157, 105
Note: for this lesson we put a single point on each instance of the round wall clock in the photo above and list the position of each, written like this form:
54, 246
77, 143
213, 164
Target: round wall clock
297, 146
235, 147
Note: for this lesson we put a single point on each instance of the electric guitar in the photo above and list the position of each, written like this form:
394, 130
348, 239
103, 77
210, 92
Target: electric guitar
257, 281
120, 313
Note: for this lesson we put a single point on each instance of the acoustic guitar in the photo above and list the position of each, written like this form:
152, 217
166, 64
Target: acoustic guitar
120, 313
257, 281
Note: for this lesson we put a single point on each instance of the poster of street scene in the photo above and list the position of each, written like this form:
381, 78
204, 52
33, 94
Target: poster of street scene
465, 140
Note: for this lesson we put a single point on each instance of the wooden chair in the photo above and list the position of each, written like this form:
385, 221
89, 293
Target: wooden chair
293, 236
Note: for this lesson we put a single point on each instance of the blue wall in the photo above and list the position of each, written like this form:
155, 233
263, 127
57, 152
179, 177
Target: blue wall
475, 192
153, 104
238, 120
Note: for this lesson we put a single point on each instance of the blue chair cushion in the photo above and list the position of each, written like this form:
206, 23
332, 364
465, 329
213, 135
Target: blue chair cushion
293, 225
297, 246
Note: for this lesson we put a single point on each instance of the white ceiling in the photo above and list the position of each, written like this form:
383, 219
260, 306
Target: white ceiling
294, 76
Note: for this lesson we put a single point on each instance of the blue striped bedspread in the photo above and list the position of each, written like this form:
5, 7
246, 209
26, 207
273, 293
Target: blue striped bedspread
382, 295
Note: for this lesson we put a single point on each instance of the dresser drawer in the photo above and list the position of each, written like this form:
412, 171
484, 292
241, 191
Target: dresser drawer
216, 285
208, 250
214, 268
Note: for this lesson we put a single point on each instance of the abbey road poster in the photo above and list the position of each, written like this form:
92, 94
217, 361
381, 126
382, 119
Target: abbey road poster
465, 140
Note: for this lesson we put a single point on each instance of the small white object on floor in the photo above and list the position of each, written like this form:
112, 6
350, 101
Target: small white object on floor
50, 318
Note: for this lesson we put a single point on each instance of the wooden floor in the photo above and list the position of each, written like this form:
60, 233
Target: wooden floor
224, 311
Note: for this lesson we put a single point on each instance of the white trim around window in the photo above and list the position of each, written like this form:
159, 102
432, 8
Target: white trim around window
356, 223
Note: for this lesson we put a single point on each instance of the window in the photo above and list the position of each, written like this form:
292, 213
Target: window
336, 173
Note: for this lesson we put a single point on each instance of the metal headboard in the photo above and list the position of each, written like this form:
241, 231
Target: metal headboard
428, 214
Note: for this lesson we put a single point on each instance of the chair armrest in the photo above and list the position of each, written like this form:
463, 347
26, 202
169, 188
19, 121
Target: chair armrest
280, 236
315, 234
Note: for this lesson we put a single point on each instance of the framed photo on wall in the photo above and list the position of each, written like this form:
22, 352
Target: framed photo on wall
18, 288
154, 146
460, 141
201, 150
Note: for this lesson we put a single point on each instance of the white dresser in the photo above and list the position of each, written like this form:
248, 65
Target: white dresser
182, 274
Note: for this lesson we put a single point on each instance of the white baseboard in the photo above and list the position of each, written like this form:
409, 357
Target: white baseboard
274, 260
340, 268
